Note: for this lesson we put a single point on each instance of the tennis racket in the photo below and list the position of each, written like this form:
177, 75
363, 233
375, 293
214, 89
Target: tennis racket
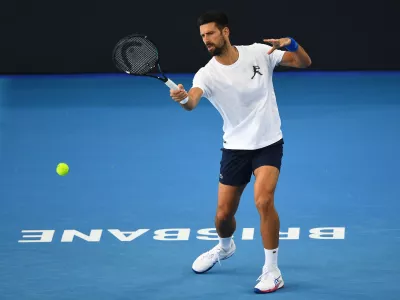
136, 55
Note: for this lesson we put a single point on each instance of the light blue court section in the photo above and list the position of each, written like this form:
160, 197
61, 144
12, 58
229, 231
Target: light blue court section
139, 163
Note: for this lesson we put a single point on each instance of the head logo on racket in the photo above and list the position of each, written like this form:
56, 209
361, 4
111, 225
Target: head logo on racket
136, 55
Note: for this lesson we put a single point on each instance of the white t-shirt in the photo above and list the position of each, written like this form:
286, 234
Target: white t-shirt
244, 98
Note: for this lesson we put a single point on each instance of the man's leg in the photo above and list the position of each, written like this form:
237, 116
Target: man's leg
264, 190
228, 203
235, 173
266, 171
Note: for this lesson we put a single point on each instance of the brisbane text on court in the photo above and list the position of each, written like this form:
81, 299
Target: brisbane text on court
169, 234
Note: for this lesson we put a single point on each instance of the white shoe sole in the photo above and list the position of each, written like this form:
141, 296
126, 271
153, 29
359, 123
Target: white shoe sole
279, 286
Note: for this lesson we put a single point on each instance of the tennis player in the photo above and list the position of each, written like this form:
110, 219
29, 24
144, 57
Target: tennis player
238, 82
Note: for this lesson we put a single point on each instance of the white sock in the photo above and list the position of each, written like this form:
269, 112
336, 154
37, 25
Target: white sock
271, 258
225, 243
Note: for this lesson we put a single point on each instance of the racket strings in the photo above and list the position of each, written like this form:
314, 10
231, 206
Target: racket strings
136, 55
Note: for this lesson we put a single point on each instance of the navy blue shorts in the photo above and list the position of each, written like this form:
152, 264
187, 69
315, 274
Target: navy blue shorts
237, 166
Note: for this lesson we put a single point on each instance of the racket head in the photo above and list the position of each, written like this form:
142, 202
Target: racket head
135, 54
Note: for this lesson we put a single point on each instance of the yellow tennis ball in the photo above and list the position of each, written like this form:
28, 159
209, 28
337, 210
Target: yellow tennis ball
62, 169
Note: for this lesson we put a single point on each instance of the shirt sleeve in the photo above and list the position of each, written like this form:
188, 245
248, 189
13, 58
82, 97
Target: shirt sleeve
275, 57
201, 80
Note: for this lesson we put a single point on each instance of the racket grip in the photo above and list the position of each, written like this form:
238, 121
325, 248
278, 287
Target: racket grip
172, 85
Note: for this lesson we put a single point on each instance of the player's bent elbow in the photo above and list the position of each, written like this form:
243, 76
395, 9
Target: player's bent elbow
307, 63
188, 108
190, 105
304, 65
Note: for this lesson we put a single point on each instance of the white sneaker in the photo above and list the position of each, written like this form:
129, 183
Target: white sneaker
270, 281
208, 259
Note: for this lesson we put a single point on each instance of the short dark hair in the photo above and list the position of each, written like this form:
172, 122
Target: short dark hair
220, 18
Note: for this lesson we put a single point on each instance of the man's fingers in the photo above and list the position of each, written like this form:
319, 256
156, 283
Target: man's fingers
271, 41
271, 50
274, 43
177, 92
178, 98
178, 95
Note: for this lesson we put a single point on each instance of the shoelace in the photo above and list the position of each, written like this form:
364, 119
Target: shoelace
212, 253
268, 274
263, 275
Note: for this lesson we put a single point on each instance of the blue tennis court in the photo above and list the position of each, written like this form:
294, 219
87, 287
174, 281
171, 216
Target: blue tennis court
138, 204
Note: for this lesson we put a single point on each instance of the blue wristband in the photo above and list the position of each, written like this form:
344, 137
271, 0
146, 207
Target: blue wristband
293, 46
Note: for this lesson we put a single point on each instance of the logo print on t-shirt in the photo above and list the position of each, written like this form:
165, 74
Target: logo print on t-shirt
255, 70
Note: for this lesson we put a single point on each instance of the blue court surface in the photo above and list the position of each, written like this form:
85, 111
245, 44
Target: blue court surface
138, 204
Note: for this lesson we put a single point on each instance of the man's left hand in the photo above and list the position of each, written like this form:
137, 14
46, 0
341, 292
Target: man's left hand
277, 43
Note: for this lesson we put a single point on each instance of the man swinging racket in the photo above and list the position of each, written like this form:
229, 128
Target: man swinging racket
238, 82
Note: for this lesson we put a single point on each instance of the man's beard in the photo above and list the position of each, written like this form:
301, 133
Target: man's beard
217, 51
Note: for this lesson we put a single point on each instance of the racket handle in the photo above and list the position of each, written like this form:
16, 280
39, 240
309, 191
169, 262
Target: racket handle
172, 85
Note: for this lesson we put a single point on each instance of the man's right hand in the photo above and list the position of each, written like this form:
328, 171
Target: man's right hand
178, 95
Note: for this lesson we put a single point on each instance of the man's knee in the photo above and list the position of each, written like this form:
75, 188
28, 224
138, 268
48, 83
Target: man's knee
266, 181
265, 202
228, 201
224, 214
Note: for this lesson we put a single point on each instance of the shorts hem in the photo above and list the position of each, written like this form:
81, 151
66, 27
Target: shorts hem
234, 183
259, 146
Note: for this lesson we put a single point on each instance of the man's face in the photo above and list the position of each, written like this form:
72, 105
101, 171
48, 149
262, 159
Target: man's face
213, 38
